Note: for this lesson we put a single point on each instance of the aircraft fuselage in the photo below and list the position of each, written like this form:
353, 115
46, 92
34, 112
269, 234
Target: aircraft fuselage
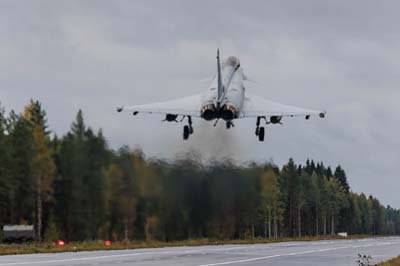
228, 104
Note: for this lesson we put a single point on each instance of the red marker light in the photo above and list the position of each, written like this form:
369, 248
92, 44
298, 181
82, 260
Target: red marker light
60, 243
107, 243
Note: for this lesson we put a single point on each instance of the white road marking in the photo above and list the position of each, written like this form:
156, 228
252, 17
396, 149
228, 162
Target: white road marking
114, 256
87, 258
201, 251
291, 254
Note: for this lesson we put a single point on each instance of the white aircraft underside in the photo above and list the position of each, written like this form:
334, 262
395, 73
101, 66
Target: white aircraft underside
225, 99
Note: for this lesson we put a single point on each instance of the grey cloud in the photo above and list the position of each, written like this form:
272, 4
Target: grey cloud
341, 56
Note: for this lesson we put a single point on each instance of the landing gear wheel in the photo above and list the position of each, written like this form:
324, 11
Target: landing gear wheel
186, 132
191, 130
261, 134
257, 131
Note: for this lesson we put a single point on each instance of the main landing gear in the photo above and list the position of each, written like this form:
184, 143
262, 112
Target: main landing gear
188, 129
260, 131
229, 124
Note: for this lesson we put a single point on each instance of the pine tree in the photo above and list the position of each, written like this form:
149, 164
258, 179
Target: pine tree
316, 196
354, 209
83, 157
290, 188
42, 164
340, 175
336, 201
22, 199
6, 184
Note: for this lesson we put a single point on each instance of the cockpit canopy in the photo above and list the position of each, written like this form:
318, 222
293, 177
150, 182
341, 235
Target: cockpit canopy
231, 61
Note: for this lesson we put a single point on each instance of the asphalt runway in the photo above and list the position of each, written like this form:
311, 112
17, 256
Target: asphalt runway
333, 252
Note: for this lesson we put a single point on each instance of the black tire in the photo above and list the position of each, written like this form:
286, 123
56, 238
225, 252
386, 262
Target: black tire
186, 132
261, 134
191, 130
257, 131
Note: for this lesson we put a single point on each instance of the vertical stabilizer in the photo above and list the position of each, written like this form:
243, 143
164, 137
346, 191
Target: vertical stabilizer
220, 88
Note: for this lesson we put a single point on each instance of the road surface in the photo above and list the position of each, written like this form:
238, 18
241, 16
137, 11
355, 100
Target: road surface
314, 253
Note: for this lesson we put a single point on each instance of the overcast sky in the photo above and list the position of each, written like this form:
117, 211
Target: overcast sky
339, 56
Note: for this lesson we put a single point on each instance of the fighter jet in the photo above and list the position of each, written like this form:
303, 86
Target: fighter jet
226, 99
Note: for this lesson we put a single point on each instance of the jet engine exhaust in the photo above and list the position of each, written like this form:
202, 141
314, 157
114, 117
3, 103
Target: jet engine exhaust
208, 112
228, 112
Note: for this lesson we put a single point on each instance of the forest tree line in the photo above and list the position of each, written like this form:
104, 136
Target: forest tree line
75, 187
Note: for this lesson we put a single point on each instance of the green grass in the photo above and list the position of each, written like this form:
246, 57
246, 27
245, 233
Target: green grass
10, 249
392, 262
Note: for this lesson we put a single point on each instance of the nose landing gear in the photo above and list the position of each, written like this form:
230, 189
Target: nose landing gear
229, 124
